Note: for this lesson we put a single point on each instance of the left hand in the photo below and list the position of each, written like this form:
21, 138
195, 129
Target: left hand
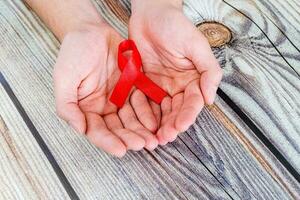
178, 58
84, 76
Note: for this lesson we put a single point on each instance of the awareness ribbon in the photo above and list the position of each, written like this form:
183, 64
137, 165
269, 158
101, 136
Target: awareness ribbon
132, 75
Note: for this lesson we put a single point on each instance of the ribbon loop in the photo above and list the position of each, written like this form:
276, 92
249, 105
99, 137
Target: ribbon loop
130, 66
129, 45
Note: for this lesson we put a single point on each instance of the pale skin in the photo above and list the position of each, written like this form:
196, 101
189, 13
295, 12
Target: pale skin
86, 71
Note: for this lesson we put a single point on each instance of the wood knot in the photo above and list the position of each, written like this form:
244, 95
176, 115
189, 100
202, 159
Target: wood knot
216, 33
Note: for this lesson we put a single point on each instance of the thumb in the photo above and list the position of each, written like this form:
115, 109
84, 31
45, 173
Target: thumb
65, 89
71, 113
209, 83
204, 60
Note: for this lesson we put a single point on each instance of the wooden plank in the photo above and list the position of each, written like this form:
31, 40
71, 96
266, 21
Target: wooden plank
260, 71
246, 138
279, 17
25, 172
195, 166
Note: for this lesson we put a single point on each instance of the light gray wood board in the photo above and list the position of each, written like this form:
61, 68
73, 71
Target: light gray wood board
25, 172
256, 76
281, 18
247, 138
234, 160
83, 164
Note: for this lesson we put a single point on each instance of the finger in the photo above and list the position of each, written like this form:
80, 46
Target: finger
143, 110
168, 132
130, 122
203, 58
132, 140
166, 108
129, 138
99, 135
209, 83
156, 111
192, 105
67, 108
71, 113
113, 121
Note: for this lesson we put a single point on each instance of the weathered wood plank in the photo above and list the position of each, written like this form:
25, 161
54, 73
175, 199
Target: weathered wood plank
281, 18
260, 71
247, 143
24, 171
208, 162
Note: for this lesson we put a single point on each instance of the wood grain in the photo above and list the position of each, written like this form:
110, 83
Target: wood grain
217, 34
260, 67
218, 158
281, 18
24, 171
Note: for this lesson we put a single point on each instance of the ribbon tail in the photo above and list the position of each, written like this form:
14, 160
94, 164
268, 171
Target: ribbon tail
121, 90
149, 88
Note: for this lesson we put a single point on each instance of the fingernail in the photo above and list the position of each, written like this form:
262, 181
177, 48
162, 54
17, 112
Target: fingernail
76, 127
152, 146
173, 139
164, 142
212, 94
120, 153
161, 140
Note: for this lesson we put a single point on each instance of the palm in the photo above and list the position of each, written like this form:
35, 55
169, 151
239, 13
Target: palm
172, 73
180, 78
171, 63
93, 74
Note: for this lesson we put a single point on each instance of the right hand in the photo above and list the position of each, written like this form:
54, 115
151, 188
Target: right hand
85, 74
180, 60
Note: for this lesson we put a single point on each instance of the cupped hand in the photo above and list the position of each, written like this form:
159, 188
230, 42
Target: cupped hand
85, 74
178, 58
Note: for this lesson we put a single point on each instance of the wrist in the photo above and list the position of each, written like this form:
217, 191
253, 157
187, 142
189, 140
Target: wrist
138, 5
86, 26
64, 17
82, 24
89, 29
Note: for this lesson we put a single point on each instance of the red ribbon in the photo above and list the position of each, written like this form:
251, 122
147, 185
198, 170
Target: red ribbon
132, 75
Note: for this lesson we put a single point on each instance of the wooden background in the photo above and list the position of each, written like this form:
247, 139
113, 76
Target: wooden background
245, 146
